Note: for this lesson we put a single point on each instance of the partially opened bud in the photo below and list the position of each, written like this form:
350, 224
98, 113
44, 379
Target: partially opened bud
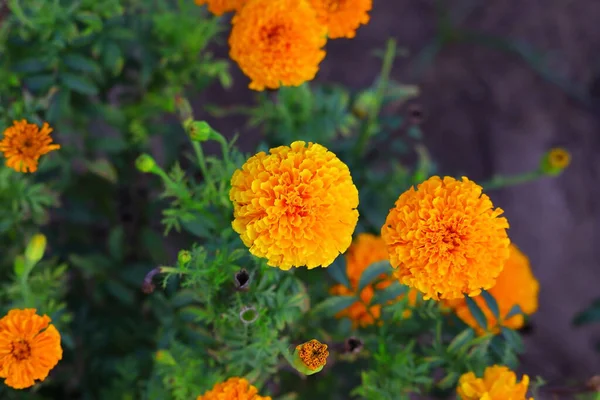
310, 357
555, 161
184, 257
35, 249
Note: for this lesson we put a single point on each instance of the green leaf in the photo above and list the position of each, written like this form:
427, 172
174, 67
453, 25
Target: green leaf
513, 339
372, 272
491, 303
337, 271
461, 340
515, 310
79, 63
448, 381
78, 83
102, 168
112, 58
334, 305
58, 105
39, 83
116, 240
389, 293
30, 65
476, 312
589, 315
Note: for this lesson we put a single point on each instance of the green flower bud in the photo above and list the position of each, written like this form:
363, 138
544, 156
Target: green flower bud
184, 257
555, 161
199, 131
145, 163
364, 104
310, 357
164, 357
35, 249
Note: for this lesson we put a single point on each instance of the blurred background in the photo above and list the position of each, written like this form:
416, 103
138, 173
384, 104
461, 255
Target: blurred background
501, 82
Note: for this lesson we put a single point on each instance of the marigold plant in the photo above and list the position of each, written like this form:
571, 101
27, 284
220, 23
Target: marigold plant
29, 348
277, 42
342, 17
498, 383
233, 389
516, 285
446, 239
220, 7
295, 206
24, 143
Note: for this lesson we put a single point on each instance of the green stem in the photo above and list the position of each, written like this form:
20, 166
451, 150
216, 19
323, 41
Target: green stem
25, 289
202, 163
369, 127
498, 182
172, 270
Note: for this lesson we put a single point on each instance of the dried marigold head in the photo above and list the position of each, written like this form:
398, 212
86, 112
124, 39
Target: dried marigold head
233, 389
498, 383
220, 7
515, 285
277, 42
295, 206
364, 251
23, 145
313, 354
446, 239
29, 348
342, 17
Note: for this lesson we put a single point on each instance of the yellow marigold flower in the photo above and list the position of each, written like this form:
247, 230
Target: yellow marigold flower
23, 144
498, 383
277, 42
366, 250
515, 285
295, 206
233, 389
342, 17
220, 7
555, 160
446, 239
29, 348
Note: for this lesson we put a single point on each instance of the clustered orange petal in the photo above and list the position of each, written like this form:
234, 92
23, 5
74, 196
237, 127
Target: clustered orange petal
498, 383
277, 42
233, 389
342, 17
446, 239
516, 285
295, 206
24, 143
29, 348
364, 251
219, 7
313, 354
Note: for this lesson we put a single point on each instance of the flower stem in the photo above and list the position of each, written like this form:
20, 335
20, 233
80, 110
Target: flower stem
499, 181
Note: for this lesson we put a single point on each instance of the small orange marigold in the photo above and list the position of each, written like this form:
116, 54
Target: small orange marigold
446, 239
313, 354
23, 144
295, 206
342, 17
498, 383
29, 348
233, 389
364, 251
515, 285
277, 42
220, 7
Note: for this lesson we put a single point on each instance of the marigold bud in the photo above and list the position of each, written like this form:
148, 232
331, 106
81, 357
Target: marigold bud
310, 357
364, 104
199, 131
35, 249
164, 357
184, 257
555, 161
145, 163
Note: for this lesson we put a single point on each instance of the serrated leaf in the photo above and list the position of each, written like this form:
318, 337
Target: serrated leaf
39, 83
512, 339
78, 83
116, 240
372, 272
337, 271
334, 305
491, 303
476, 312
462, 339
389, 293
515, 310
79, 63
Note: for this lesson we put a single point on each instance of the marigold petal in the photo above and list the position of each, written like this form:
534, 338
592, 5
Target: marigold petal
342, 17
234, 388
498, 383
23, 144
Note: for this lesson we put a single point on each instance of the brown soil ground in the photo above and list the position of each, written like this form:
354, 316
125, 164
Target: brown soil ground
488, 112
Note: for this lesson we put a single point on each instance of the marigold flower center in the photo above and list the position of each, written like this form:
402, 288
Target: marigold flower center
21, 350
272, 34
313, 354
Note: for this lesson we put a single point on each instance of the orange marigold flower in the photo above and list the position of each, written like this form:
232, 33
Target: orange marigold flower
29, 348
515, 285
446, 239
24, 143
295, 206
313, 354
342, 17
277, 42
364, 251
233, 389
220, 7
498, 383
